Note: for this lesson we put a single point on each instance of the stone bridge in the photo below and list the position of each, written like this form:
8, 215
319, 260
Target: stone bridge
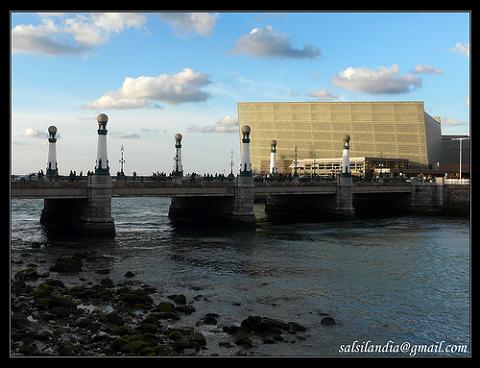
84, 205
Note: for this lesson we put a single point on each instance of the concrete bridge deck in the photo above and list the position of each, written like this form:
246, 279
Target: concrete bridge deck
72, 190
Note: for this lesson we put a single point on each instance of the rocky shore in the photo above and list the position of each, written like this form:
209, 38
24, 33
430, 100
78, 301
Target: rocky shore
61, 309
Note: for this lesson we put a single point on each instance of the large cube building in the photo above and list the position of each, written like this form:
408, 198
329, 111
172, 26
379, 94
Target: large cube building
377, 129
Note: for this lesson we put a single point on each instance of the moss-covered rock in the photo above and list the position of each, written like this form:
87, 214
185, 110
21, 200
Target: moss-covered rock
43, 291
67, 264
148, 351
114, 318
123, 330
107, 282
133, 344
178, 298
134, 297
28, 274
168, 315
61, 301
164, 307
198, 339
41, 303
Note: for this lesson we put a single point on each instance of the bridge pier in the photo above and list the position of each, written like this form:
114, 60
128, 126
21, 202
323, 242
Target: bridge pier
336, 206
91, 216
210, 210
426, 198
82, 216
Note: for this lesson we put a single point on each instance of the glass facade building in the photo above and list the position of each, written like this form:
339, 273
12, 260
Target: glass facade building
399, 130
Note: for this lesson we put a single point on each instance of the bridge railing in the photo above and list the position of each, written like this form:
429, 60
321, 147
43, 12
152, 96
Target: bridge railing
380, 181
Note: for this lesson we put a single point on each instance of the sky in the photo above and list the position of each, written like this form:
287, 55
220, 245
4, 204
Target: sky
158, 74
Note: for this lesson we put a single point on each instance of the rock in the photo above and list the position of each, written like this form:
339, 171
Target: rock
175, 335
44, 274
106, 282
123, 330
28, 349
168, 315
148, 327
184, 330
263, 324
28, 274
188, 309
225, 344
178, 298
237, 304
267, 340
61, 311
20, 287
198, 339
148, 351
44, 334
277, 337
163, 307
80, 254
103, 271
67, 264
32, 265
243, 340
294, 327
129, 274
328, 321
100, 336
66, 349
55, 283
134, 297
234, 330
19, 321
82, 322
206, 321
114, 318
36, 245
183, 343
61, 301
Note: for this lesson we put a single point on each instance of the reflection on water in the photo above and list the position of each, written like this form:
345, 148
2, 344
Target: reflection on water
400, 279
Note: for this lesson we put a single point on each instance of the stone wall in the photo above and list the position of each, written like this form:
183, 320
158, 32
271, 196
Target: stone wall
456, 200
427, 198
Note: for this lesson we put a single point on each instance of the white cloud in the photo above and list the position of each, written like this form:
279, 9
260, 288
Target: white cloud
427, 69
461, 48
226, 124
377, 81
452, 122
265, 42
125, 135
322, 94
467, 101
76, 34
183, 23
181, 87
34, 133
117, 22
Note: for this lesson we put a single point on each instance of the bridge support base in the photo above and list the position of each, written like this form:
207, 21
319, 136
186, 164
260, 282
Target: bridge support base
323, 207
426, 198
234, 211
84, 217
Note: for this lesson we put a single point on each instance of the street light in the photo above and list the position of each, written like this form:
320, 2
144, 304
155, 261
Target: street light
460, 139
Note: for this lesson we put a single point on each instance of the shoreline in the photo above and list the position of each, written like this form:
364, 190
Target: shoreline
61, 309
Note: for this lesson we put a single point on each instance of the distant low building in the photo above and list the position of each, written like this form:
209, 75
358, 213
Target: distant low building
450, 157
